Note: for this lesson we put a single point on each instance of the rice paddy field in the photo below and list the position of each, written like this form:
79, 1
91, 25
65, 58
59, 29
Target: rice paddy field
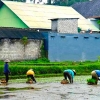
80, 79
50, 89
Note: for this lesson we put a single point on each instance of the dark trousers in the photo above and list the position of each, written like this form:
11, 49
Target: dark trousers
66, 74
7, 77
32, 77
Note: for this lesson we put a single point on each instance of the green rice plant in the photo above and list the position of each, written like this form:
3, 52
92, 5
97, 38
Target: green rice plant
45, 68
91, 80
1, 70
28, 79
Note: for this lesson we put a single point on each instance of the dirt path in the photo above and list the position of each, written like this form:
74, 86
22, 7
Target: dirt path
51, 91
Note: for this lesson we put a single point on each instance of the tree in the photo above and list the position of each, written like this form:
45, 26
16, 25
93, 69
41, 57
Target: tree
63, 2
67, 2
49, 2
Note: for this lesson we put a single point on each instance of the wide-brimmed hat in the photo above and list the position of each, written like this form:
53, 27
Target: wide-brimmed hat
74, 72
6, 60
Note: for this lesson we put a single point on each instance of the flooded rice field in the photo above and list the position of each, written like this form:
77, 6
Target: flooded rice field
50, 89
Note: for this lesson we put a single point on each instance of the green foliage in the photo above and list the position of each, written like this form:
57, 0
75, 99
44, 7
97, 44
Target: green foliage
50, 69
18, 70
1, 70
49, 2
98, 21
79, 29
24, 40
63, 3
42, 67
90, 80
43, 52
40, 60
67, 2
28, 79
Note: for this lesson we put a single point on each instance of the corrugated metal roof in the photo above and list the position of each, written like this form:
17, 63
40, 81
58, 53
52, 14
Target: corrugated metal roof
37, 16
18, 33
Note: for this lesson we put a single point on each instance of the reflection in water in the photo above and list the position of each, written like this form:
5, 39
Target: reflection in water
6, 96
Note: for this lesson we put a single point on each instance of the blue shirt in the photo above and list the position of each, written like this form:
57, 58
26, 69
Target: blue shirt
70, 72
97, 72
6, 69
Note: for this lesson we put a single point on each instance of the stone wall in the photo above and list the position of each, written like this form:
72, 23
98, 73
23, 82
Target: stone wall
15, 50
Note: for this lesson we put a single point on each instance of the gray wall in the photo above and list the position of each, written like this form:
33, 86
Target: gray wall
65, 25
14, 49
73, 47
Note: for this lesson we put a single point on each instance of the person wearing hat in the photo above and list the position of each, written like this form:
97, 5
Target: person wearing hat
70, 74
30, 74
6, 69
96, 75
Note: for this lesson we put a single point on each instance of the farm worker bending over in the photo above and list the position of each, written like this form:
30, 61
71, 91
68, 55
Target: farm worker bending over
30, 74
96, 75
70, 74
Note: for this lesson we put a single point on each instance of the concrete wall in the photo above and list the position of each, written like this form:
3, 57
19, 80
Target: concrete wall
65, 25
15, 50
73, 47
54, 25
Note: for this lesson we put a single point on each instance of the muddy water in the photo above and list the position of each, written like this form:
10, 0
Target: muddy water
79, 90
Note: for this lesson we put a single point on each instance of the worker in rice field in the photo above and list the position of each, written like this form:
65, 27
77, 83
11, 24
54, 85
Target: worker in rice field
69, 74
30, 74
96, 75
6, 69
